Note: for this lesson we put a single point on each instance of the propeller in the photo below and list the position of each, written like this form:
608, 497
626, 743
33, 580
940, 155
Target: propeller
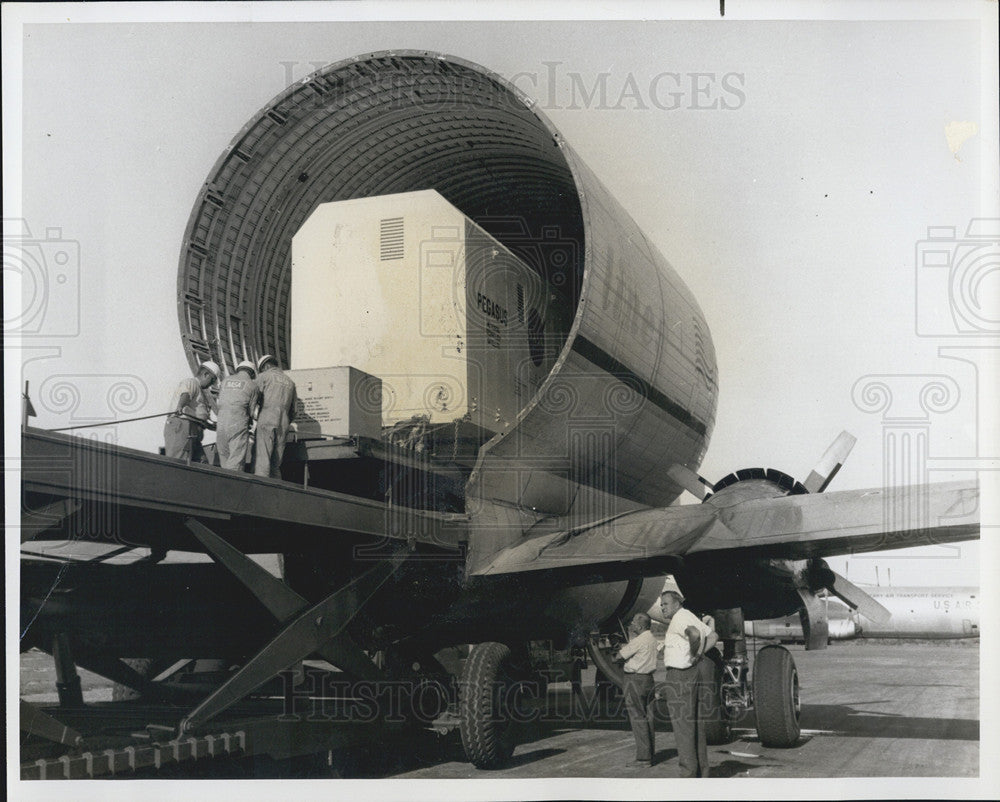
831, 461
819, 478
856, 598
815, 624
818, 576
689, 480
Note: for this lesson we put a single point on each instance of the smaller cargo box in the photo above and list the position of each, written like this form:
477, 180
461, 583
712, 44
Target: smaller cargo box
337, 402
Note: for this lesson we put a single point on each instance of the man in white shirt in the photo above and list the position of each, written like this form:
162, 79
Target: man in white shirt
189, 410
640, 653
689, 677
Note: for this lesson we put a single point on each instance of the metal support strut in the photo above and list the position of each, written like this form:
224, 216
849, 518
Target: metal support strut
67, 680
735, 690
309, 629
35, 722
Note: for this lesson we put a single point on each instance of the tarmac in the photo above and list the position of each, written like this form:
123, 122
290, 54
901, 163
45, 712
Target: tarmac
869, 709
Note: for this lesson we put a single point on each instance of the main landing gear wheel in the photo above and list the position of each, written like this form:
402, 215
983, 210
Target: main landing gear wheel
776, 697
488, 696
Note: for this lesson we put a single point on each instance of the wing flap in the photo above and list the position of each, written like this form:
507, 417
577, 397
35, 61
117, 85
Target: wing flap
850, 521
789, 527
632, 536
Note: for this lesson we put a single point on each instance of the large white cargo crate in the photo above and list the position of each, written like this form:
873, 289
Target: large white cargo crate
408, 289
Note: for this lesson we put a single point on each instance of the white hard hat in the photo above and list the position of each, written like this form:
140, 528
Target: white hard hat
246, 363
211, 367
670, 586
264, 360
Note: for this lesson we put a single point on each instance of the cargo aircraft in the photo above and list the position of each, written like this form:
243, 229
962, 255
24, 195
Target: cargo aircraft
526, 389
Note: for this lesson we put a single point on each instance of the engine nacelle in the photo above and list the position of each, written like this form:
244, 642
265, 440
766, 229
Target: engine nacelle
586, 608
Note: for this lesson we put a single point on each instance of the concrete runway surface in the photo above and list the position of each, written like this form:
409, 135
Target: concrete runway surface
869, 709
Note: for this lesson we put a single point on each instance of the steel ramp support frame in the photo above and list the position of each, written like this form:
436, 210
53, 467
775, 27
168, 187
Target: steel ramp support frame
122, 673
68, 683
34, 522
36, 722
309, 629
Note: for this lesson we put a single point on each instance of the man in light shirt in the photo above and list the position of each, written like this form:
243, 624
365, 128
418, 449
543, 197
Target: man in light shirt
640, 653
189, 411
689, 679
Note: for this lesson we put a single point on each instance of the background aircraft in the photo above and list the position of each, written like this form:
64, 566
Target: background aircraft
927, 612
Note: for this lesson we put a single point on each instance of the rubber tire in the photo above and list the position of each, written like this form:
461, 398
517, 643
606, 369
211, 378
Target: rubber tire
122, 693
718, 729
776, 698
487, 733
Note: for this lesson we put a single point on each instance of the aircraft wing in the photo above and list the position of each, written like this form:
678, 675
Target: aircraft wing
786, 527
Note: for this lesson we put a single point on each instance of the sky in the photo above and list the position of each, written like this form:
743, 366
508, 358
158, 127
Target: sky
788, 168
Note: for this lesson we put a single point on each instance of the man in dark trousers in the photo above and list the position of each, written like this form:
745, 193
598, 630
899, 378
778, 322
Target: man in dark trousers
688, 670
189, 411
277, 408
237, 403
640, 653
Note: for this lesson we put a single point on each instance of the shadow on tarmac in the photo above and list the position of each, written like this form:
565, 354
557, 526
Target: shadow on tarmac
846, 720
734, 768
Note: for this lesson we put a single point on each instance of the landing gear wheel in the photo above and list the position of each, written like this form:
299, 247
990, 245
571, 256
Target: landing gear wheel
718, 727
488, 695
776, 697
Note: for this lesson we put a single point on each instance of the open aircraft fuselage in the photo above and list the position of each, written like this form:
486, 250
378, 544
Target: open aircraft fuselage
633, 385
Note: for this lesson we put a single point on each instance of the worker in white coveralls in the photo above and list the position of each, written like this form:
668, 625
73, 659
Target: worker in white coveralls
238, 400
688, 686
277, 409
189, 417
